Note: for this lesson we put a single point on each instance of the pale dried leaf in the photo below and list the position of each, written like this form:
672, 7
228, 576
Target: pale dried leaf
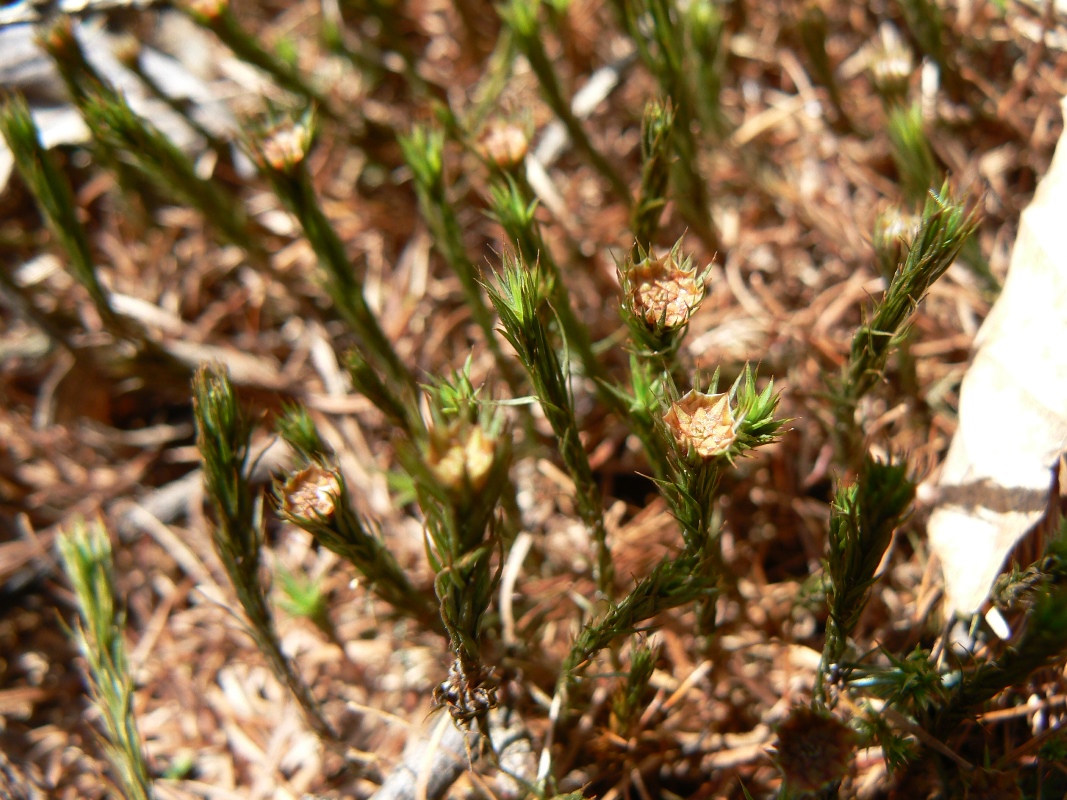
996, 478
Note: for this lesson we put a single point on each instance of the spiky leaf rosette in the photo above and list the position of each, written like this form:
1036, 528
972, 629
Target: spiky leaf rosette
703, 433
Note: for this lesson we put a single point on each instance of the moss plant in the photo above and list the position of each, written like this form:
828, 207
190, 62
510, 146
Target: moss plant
223, 437
657, 130
85, 551
945, 226
54, 197
862, 521
461, 451
659, 34
131, 142
706, 432
424, 152
1042, 644
281, 155
915, 162
317, 499
461, 471
216, 16
630, 694
520, 297
523, 19
131, 350
512, 205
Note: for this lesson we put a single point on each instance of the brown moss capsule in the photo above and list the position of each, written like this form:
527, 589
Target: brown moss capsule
504, 144
207, 9
702, 423
285, 147
663, 291
311, 493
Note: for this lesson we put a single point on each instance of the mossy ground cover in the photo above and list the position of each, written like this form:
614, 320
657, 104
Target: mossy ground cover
795, 142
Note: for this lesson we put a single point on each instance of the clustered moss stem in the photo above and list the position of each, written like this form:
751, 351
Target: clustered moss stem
219, 19
522, 17
424, 152
944, 229
281, 156
862, 521
127, 139
223, 436
520, 300
85, 551
514, 207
